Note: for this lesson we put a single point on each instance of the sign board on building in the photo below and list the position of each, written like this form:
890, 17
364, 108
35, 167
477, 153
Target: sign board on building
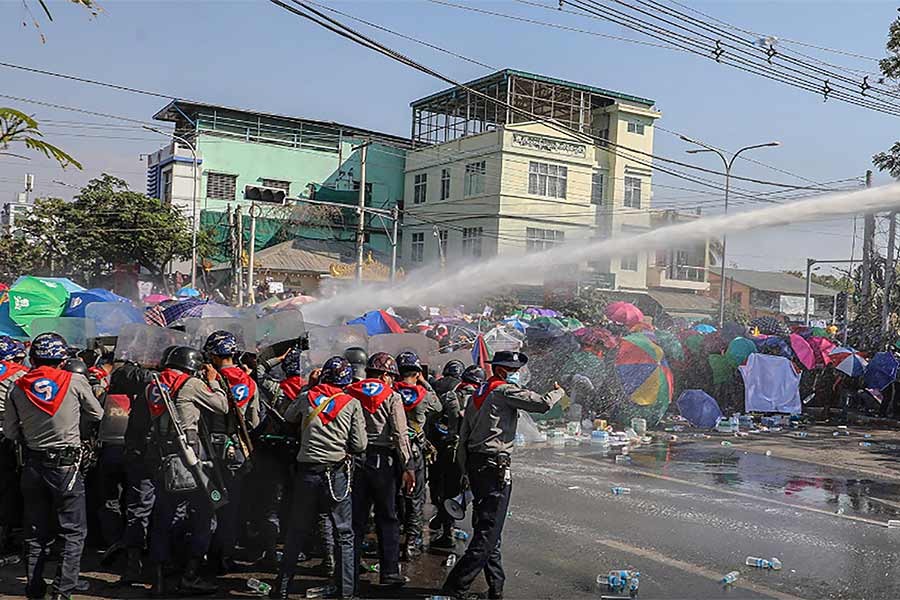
276, 287
546, 144
795, 305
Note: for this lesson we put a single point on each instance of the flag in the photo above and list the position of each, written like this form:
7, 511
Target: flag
481, 354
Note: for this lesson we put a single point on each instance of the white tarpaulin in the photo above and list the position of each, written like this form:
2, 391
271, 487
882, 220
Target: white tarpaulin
770, 384
795, 305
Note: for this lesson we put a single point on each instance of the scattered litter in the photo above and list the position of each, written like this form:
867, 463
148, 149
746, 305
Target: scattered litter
867, 435
258, 586
622, 458
762, 563
800, 434
374, 568
893, 524
321, 592
620, 491
12, 559
451, 561
673, 438
726, 443
840, 511
730, 578
620, 581
768, 453
865, 444
462, 535
574, 487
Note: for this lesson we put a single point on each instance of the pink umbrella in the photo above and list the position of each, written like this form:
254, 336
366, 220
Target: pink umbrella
821, 348
293, 302
155, 298
804, 351
624, 313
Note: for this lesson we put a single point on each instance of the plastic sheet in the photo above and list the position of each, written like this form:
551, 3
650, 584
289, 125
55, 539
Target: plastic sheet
145, 344
527, 428
111, 316
75, 330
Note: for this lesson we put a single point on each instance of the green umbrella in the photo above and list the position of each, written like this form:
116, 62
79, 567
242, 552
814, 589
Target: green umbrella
571, 323
32, 298
819, 332
548, 322
670, 344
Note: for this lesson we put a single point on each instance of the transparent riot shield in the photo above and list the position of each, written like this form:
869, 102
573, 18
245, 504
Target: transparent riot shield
279, 327
325, 342
436, 361
75, 330
111, 316
145, 344
244, 330
395, 343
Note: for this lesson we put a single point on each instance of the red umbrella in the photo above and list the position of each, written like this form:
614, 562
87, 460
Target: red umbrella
821, 348
803, 350
624, 313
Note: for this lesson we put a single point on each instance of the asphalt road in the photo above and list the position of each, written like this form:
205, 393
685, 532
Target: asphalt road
695, 512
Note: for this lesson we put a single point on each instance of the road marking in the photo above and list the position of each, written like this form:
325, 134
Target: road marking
721, 490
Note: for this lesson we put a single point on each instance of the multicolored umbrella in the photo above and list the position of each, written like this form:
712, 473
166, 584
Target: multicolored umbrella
191, 308
624, 313
33, 298
67, 284
848, 360
155, 298
882, 371
739, 349
670, 344
769, 326
803, 351
8, 326
378, 322
643, 371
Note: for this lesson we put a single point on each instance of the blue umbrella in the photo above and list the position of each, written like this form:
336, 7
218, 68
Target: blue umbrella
882, 371
8, 326
699, 408
187, 292
79, 301
704, 328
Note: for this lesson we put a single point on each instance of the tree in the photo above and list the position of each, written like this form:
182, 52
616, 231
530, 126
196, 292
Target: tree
588, 306
17, 256
17, 127
503, 304
890, 67
841, 284
108, 225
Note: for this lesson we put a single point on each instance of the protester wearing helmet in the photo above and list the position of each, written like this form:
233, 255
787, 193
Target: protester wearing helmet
332, 426
485, 442
12, 355
43, 413
419, 401
375, 476
188, 511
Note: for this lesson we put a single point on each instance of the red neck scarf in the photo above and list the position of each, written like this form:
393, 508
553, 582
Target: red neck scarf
371, 393
412, 394
171, 381
291, 386
101, 375
466, 387
45, 387
333, 395
9, 368
243, 388
485, 390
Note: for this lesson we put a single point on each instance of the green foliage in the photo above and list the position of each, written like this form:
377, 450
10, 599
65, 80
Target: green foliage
108, 225
734, 312
18, 256
890, 67
17, 127
588, 306
842, 283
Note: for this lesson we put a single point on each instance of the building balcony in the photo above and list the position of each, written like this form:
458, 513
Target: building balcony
679, 277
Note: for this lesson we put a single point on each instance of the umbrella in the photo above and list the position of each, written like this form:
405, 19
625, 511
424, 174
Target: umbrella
714, 344
624, 313
775, 346
670, 344
155, 298
570, 323
184, 309
803, 351
733, 329
769, 326
294, 302
847, 360
704, 328
739, 349
548, 323
78, 301
67, 284
722, 368
694, 344
643, 371
821, 347
882, 371
377, 322
8, 326
188, 292
596, 338
32, 298
516, 323
541, 312
641, 328
480, 354
699, 408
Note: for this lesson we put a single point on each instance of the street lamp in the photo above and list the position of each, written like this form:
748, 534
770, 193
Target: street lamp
728, 163
193, 201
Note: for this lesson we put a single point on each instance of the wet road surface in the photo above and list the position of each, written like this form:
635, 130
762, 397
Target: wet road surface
695, 512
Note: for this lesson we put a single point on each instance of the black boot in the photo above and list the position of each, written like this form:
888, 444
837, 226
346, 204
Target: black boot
281, 587
132, 573
158, 589
192, 583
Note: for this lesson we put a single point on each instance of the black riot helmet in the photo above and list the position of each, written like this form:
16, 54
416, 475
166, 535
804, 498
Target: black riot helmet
184, 358
454, 368
473, 374
74, 365
357, 357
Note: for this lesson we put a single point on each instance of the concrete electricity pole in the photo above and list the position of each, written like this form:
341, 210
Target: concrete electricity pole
868, 253
361, 225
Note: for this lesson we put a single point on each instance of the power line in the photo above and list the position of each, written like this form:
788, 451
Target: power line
114, 86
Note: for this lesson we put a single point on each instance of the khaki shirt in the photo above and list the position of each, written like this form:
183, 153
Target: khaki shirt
491, 429
194, 395
328, 444
5, 386
386, 427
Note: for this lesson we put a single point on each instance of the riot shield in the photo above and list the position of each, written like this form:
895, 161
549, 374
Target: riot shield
325, 342
395, 343
243, 329
279, 327
436, 361
111, 316
145, 344
75, 330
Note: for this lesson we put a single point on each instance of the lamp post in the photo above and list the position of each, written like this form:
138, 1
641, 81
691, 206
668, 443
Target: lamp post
193, 201
728, 164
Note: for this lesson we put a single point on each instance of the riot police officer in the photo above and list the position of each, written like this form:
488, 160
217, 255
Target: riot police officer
419, 401
387, 457
442, 431
485, 442
357, 357
43, 412
190, 511
332, 429
12, 355
472, 378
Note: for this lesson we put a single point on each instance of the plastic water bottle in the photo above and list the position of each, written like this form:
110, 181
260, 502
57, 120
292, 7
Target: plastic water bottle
451, 561
735, 422
374, 568
892, 524
730, 578
321, 592
622, 459
621, 491
865, 444
260, 587
14, 559
762, 563
460, 535
599, 437
726, 443
774, 564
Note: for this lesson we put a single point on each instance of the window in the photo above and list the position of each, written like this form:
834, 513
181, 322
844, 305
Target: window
629, 263
420, 187
635, 127
167, 186
597, 180
220, 186
542, 239
278, 184
474, 183
471, 241
545, 179
445, 184
417, 247
632, 192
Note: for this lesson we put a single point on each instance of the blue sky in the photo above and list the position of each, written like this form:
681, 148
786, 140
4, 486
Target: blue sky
251, 54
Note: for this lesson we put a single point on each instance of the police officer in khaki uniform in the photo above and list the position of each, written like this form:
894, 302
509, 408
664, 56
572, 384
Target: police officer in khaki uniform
387, 459
485, 442
12, 355
332, 430
43, 411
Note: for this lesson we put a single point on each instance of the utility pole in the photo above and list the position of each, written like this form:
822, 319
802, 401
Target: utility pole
232, 244
251, 251
361, 225
889, 270
239, 252
395, 215
868, 251
809, 265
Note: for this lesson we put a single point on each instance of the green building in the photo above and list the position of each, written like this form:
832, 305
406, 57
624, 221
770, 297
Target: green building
246, 157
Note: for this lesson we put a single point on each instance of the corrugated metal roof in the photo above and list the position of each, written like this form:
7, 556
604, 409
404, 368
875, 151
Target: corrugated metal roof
288, 256
781, 283
684, 302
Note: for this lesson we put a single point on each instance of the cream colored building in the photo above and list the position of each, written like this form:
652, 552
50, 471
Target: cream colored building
485, 180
